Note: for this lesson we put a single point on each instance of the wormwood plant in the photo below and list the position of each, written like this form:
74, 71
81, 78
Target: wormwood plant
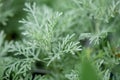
4, 46
40, 45
75, 40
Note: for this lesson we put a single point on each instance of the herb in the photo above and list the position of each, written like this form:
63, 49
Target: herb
75, 40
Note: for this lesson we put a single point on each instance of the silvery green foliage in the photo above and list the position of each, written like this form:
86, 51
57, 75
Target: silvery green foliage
95, 38
106, 75
4, 47
72, 76
1, 53
39, 32
101, 10
97, 17
9, 10
5, 13
39, 27
65, 46
21, 66
51, 37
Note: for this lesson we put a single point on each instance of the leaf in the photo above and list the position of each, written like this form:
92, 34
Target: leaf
88, 71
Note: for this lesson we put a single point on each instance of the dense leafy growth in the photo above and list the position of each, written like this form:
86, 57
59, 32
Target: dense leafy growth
59, 40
